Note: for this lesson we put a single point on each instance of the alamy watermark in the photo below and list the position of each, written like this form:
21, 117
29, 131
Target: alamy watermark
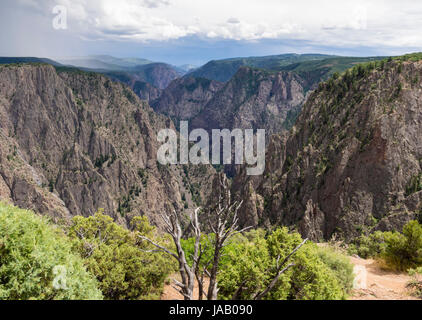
60, 281
180, 151
361, 278
360, 18
60, 18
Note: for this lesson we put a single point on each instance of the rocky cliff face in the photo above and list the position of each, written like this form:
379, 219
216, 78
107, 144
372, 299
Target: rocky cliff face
147, 81
186, 97
145, 91
352, 163
160, 75
253, 99
73, 142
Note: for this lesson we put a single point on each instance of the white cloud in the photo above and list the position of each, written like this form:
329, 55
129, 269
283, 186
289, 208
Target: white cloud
326, 22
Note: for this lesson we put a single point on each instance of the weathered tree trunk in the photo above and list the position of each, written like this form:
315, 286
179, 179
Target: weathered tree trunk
187, 274
223, 221
212, 290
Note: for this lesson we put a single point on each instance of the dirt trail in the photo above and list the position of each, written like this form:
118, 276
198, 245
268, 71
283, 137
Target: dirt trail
170, 293
380, 284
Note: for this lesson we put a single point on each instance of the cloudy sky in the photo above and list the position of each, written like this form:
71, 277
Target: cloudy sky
195, 31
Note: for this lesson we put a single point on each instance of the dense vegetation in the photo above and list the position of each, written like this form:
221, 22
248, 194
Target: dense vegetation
98, 258
97, 254
115, 255
400, 251
250, 262
37, 261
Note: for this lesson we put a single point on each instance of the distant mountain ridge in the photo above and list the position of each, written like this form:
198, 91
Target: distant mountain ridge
315, 65
224, 70
12, 60
130, 71
124, 62
311, 67
103, 62
321, 70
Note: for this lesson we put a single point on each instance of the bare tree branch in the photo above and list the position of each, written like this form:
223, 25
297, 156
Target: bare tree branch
224, 222
236, 295
273, 282
159, 246
293, 252
280, 271
186, 296
173, 228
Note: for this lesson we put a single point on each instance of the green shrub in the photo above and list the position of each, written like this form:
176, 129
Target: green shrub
116, 257
404, 251
414, 185
370, 246
338, 263
247, 266
311, 278
415, 285
37, 262
400, 251
206, 245
251, 263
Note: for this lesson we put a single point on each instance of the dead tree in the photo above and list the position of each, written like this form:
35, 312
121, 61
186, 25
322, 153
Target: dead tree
201, 269
187, 273
224, 223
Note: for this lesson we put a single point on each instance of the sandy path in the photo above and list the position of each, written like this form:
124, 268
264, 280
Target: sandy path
170, 293
380, 284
